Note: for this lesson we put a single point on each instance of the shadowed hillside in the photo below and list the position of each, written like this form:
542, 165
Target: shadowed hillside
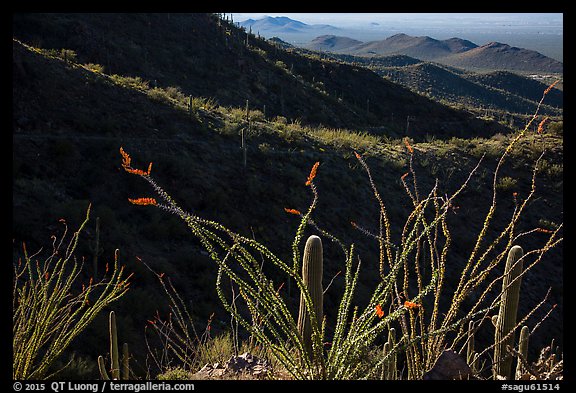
205, 56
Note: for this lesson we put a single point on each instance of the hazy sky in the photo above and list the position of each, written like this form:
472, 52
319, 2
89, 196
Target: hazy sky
427, 19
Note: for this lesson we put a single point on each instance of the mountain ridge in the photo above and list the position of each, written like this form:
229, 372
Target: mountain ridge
454, 51
282, 24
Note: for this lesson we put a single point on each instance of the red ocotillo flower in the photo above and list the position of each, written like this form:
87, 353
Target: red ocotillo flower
408, 146
292, 211
541, 125
126, 160
312, 174
379, 311
411, 305
551, 86
143, 201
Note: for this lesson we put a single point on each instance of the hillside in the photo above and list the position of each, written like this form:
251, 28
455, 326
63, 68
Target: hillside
500, 93
70, 117
495, 91
204, 56
518, 85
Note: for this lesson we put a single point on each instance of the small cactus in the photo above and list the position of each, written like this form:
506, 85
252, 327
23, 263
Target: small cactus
470, 344
312, 275
114, 355
523, 351
506, 321
392, 370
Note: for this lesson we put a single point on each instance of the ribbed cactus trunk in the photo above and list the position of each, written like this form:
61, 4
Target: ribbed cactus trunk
115, 371
114, 347
523, 350
507, 314
312, 266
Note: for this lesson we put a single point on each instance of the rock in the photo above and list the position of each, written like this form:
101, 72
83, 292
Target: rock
245, 365
449, 366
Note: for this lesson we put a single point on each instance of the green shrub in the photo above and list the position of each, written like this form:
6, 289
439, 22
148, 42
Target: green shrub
49, 310
506, 183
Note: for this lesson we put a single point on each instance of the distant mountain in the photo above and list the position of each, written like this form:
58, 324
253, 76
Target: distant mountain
458, 45
496, 55
455, 52
282, 24
423, 48
332, 43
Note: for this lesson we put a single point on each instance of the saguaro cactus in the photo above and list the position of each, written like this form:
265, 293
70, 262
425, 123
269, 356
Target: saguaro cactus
392, 368
523, 350
506, 320
470, 344
312, 266
114, 355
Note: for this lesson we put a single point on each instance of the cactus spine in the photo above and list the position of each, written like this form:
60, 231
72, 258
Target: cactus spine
523, 350
506, 321
312, 276
114, 355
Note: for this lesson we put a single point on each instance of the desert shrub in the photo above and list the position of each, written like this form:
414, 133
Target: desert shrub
49, 308
99, 68
507, 183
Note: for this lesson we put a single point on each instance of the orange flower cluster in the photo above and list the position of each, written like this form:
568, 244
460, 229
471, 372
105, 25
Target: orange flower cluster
358, 156
404, 176
292, 211
541, 125
408, 146
411, 305
126, 160
542, 230
143, 201
551, 86
312, 174
379, 311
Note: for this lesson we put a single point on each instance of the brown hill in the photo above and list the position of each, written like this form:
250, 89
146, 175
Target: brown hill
498, 56
332, 43
423, 48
